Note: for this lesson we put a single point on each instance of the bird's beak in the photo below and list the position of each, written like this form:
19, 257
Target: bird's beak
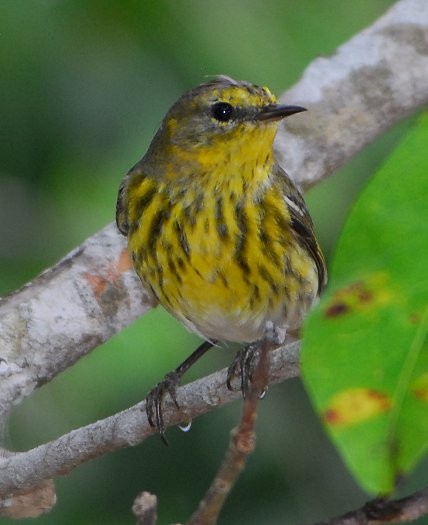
277, 111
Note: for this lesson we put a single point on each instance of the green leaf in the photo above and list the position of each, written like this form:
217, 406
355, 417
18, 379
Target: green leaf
365, 350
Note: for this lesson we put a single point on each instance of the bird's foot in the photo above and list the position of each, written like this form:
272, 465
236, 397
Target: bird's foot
155, 398
169, 385
243, 367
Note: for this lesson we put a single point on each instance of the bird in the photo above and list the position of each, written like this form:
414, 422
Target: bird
217, 231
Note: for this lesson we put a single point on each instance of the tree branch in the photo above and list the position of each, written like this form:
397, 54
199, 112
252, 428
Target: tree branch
379, 512
129, 427
371, 82
64, 313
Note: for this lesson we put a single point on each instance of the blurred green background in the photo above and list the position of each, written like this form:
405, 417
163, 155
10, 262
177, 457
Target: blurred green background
84, 85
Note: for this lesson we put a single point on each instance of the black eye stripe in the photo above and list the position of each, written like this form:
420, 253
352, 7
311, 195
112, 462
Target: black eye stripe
222, 111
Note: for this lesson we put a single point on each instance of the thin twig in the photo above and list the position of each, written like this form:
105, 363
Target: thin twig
241, 445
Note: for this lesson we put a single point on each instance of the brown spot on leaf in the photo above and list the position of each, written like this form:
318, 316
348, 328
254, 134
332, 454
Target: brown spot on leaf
415, 317
336, 309
421, 394
355, 405
420, 387
364, 296
332, 417
381, 399
361, 295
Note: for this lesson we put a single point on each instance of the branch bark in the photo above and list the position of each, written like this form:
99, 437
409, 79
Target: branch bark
370, 83
130, 427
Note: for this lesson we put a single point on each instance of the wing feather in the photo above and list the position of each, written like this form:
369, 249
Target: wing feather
302, 225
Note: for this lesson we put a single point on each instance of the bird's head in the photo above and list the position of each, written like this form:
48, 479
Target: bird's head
220, 119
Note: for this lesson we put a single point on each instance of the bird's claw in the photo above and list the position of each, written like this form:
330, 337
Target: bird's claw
155, 398
243, 366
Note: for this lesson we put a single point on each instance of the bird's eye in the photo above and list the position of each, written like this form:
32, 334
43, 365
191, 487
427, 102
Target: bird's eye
222, 111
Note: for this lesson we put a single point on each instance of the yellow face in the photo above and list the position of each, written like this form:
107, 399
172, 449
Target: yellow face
221, 124
216, 112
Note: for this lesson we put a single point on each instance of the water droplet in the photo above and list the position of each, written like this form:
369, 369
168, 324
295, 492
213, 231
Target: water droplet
263, 393
185, 427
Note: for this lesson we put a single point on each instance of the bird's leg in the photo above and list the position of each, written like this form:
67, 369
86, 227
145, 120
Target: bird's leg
169, 385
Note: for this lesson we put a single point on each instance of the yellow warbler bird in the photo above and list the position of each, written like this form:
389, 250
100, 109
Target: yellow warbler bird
216, 229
